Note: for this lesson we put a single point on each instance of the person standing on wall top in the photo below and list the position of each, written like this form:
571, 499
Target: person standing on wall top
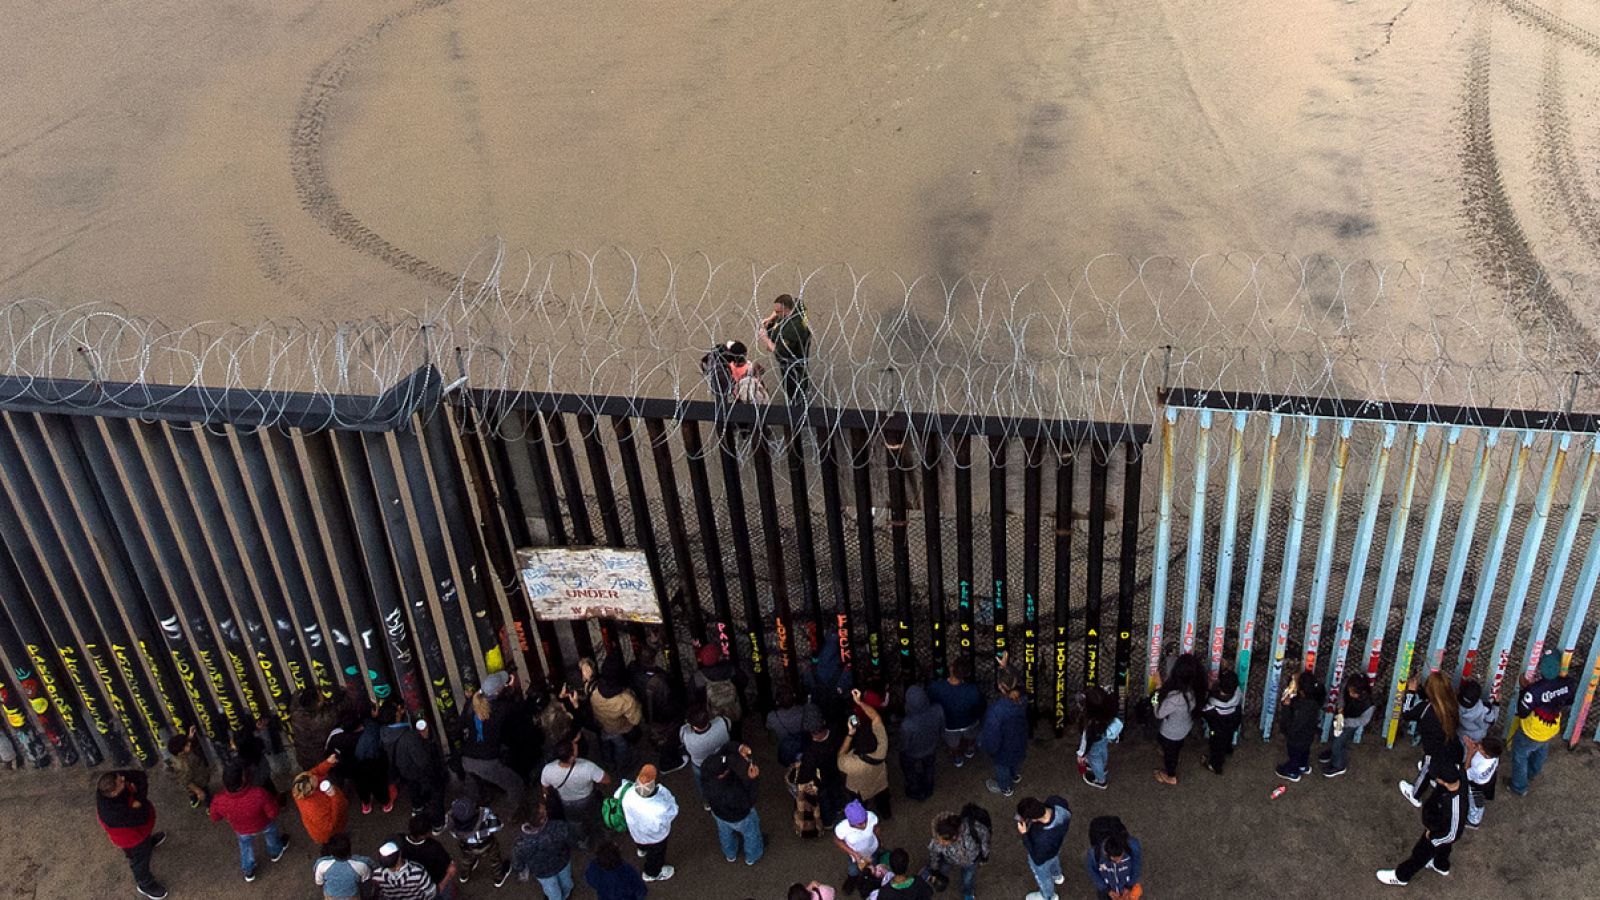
1540, 707
787, 336
122, 803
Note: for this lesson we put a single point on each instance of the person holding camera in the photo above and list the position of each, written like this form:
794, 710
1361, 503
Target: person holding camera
862, 757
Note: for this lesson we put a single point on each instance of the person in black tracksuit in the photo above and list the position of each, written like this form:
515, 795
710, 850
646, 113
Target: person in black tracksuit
1437, 714
1302, 717
1443, 816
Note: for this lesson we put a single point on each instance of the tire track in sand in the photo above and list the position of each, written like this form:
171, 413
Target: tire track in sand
311, 181
1538, 17
1506, 252
1556, 162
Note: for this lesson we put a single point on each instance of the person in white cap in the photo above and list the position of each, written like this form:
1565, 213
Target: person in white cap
400, 879
649, 808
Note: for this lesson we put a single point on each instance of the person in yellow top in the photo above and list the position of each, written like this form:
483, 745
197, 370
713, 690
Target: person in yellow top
1540, 708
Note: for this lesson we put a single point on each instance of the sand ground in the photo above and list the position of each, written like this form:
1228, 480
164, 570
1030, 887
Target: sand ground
1208, 837
235, 161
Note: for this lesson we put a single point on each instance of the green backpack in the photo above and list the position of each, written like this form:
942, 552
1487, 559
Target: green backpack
611, 809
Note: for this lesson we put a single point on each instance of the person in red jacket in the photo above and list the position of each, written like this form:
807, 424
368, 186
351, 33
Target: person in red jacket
251, 811
324, 809
123, 804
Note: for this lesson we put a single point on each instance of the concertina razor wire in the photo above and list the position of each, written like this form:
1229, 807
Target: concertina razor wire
1094, 343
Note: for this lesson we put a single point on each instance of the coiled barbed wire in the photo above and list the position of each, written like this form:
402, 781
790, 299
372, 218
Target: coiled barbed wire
1093, 343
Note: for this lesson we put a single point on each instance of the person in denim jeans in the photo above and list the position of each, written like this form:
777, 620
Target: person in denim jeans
959, 842
544, 851
1354, 708
1094, 746
251, 812
730, 788
1540, 708
1043, 825
1005, 733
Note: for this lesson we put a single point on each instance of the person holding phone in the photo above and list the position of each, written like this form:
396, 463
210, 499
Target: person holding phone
863, 755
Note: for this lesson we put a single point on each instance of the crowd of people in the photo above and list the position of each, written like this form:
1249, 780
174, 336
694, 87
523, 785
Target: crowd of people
528, 753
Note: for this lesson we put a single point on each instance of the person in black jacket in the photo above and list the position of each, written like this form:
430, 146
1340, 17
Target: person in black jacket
1043, 826
122, 802
483, 748
414, 761
1442, 818
1437, 715
662, 698
1302, 717
730, 787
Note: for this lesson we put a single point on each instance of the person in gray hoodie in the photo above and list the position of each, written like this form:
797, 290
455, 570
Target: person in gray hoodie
920, 733
1477, 711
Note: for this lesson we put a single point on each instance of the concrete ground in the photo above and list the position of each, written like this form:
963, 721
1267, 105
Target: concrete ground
1207, 837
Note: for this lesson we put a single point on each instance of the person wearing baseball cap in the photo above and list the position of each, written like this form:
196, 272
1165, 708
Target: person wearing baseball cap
649, 809
1545, 698
401, 879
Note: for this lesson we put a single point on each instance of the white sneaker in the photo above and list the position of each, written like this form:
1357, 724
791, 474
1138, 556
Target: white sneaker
1060, 878
1387, 876
666, 872
1035, 895
1410, 794
1445, 872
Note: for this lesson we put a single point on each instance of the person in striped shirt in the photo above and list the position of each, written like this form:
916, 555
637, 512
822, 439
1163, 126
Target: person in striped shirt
400, 879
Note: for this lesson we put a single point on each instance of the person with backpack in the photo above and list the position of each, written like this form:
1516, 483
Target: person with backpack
745, 374
1115, 862
647, 809
863, 758
122, 804
1301, 721
251, 812
338, 872
920, 733
1178, 700
960, 842
1352, 710
1043, 825
361, 762
569, 782
1540, 707
718, 684
616, 710
660, 695
963, 705
1101, 726
544, 852
475, 829
730, 785
1437, 716
1223, 714
1442, 819
787, 336
1005, 733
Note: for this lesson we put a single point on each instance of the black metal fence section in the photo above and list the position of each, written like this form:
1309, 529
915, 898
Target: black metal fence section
176, 557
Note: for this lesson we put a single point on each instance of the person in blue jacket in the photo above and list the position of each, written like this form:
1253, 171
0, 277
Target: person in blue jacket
611, 878
1115, 865
1005, 733
963, 704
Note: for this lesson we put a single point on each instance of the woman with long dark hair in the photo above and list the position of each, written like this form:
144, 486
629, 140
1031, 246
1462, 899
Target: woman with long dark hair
1177, 702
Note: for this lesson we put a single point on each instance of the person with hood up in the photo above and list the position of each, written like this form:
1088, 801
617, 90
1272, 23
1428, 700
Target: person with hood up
482, 741
1223, 713
787, 722
414, 761
862, 758
324, 809
649, 808
828, 680
920, 733
616, 710
960, 842
1302, 719
1005, 733
361, 766
963, 706
1540, 708
544, 852
1353, 710
1043, 825
122, 803
731, 790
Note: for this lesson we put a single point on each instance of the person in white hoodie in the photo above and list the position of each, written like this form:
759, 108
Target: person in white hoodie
649, 808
